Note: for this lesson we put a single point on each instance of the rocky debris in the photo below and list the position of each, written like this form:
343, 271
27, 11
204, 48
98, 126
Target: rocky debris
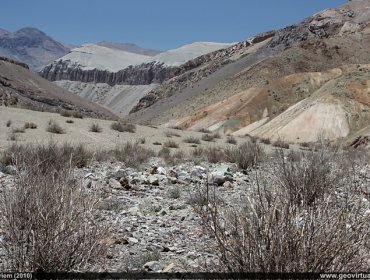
154, 230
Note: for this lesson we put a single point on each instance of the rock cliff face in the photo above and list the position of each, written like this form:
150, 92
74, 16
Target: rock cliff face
143, 74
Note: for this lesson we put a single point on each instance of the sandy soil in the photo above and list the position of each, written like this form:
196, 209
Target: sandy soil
78, 132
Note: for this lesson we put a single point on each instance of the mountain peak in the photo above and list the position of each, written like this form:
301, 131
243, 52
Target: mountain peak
29, 31
3, 32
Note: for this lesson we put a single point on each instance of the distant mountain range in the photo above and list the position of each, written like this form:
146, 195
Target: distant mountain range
31, 46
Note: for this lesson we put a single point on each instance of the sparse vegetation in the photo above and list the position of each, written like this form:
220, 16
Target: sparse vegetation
245, 155
13, 137
191, 139
54, 127
8, 123
281, 144
69, 121
208, 137
157, 143
77, 115
30, 125
65, 113
18, 130
294, 219
204, 130
171, 144
142, 140
231, 140
132, 154
123, 127
265, 141
95, 127
55, 231
169, 134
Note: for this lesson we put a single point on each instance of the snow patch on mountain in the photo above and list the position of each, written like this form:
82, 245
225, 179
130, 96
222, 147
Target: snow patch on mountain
185, 53
90, 56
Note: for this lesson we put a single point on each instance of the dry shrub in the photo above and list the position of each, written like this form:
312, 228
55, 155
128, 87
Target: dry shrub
270, 232
77, 115
123, 127
245, 155
30, 125
207, 137
95, 127
266, 141
18, 130
132, 154
8, 123
191, 139
54, 127
69, 121
169, 134
157, 143
47, 221
306, 176
231, 140
66, 114
204, 130
281, 144
214, 154
46, 156
170, 144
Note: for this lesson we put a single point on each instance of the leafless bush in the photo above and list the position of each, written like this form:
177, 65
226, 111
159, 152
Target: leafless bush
77, 115
123, 127
95, 127
245, 155
13, 137
30, 125
231, 140
204, 130
270, 232
66, 114
176, 127
192, 139
266, 141
281, 144
214, 154
54, 127
306, 176
18, 130
132, 154
47, 220
170, 144
169, 134
46, 156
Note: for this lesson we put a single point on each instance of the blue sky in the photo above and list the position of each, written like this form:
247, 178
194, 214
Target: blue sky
158, 24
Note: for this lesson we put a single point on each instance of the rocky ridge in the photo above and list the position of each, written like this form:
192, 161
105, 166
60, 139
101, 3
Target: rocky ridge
31, 46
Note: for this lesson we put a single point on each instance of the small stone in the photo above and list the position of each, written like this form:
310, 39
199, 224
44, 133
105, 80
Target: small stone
113, 183
153, 266
153, 181
133, 240
161, 170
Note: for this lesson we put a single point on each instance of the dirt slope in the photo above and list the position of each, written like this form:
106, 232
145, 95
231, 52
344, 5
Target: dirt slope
19, 87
